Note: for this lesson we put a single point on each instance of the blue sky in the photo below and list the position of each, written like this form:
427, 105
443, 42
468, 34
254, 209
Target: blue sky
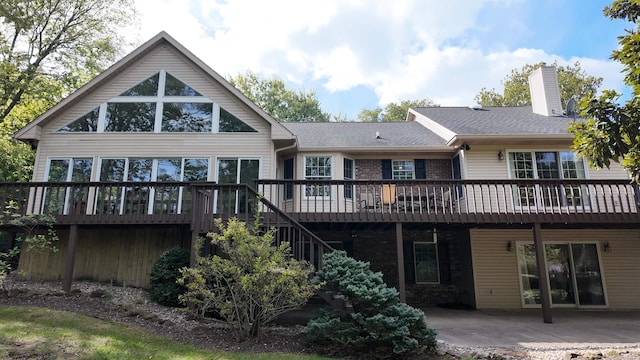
362, 54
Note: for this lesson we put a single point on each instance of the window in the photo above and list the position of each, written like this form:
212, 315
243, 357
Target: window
548, 165
186, 117
230, 123
130, 117
236, 171
288, 175
349, 171
63, 200
425, 256
143, 199
317, 168
402, 169
161, 103
574, 274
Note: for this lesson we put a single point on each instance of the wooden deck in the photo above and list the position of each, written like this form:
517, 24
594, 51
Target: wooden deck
451, 201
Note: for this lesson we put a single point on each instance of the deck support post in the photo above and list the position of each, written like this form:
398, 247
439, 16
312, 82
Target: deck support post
400, 253
71, 258
542, 274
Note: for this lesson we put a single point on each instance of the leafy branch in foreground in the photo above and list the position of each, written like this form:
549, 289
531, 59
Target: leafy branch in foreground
33, 239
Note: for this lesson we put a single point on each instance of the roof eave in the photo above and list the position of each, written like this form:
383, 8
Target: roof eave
460, 139
351, 149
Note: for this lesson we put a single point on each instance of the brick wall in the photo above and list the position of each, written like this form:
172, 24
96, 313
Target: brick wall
437, 169
378, 247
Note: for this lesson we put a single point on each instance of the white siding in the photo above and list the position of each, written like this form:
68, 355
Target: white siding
496, 273
495, 269
481, 163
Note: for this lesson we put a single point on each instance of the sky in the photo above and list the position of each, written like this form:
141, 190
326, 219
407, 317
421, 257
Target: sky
363, 54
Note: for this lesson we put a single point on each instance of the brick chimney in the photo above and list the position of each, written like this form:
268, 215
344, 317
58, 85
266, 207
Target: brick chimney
545, 92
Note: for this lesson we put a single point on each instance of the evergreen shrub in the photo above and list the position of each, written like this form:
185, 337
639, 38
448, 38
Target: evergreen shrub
379, 325
164, 275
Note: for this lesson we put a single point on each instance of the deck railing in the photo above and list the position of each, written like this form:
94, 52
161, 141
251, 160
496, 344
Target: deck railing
363, 200
460, 200
193, 204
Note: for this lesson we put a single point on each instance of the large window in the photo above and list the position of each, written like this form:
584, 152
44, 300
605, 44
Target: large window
236, 171
63, 200
317, 168
144, 199
548, 165
161, 103
426, 262
402, 169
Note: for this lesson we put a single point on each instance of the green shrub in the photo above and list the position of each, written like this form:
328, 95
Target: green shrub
379, 326
254, 281
164, 273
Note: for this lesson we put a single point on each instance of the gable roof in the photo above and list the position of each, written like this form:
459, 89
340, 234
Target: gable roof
32, 130
357, 136
504, 122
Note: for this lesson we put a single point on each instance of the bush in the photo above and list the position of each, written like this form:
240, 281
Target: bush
379, 326
252, 283
164, 274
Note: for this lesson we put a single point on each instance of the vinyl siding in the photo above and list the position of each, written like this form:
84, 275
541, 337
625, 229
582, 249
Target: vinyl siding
496, 272
495, 269
481, 163
212, 145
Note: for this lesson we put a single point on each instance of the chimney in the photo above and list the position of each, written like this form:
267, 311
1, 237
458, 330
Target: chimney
545, 92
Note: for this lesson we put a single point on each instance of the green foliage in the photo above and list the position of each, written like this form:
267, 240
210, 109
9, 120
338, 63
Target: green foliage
32, 240
393, 112
612, 131
573, 81
251, 282
47, 50
164, 275
59, 44
379, 326
283, 104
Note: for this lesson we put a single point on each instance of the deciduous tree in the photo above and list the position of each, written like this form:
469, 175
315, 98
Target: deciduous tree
272, 95
611, 131
49, 48
393, 112
573, 81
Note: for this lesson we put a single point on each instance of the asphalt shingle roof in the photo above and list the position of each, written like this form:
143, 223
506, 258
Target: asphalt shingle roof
519, 120
363, 135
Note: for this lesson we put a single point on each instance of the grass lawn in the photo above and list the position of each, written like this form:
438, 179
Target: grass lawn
30, 332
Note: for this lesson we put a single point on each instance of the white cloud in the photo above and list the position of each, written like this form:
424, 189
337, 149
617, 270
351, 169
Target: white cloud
403, 49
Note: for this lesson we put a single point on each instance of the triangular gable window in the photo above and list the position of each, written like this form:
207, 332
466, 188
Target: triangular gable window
230, 123
175, 87
160, 103
148, 87
86, 123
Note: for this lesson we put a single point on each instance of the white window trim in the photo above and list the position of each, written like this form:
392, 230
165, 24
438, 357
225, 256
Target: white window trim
533, 157
304, 175
591, 197
413, 168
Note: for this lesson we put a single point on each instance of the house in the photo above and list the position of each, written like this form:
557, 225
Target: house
452, 205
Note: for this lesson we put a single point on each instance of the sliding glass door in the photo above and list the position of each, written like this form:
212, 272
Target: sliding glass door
573, 273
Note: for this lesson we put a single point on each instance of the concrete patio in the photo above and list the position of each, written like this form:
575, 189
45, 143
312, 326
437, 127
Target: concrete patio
571, 329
